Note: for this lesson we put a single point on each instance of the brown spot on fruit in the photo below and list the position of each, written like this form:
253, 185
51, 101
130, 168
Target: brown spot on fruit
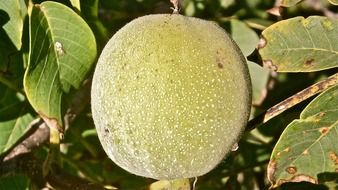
334, 157
291, 170
106, 130
219, 63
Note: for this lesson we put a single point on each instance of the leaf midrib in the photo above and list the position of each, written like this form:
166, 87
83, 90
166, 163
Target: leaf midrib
307, 49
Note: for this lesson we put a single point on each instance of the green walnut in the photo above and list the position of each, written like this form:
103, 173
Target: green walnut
170, 96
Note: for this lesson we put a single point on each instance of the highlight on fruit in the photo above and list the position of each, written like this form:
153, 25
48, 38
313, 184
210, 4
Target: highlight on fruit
170, 96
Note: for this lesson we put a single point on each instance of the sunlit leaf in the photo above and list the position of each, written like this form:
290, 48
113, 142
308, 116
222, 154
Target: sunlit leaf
62, 51
301, 45
226, 3
308, 146
333, 2
76, 4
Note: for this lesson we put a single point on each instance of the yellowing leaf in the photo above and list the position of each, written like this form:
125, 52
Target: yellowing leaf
308, 146
301, 45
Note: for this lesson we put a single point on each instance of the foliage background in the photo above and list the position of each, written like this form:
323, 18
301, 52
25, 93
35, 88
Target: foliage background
82, 162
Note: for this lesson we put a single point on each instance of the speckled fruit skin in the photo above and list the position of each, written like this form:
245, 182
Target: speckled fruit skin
170, 96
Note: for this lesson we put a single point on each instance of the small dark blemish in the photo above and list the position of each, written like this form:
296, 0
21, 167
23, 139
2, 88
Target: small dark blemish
334, 157
321, 114
123, 66
291, 170
220, 65
106, 130
309, 62
323, 130
171, 81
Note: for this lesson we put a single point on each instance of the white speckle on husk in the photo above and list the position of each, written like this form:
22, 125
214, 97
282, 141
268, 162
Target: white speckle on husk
170, 96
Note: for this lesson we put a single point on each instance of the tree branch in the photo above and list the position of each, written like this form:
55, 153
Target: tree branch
292, 101
21, 160
39, 136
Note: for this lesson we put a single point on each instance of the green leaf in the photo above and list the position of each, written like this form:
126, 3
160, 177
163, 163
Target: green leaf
259, 79
12, 130
333, 2
17, 182
289, 3
247, 39
62, 52
308, 146
301, 45
12, 15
